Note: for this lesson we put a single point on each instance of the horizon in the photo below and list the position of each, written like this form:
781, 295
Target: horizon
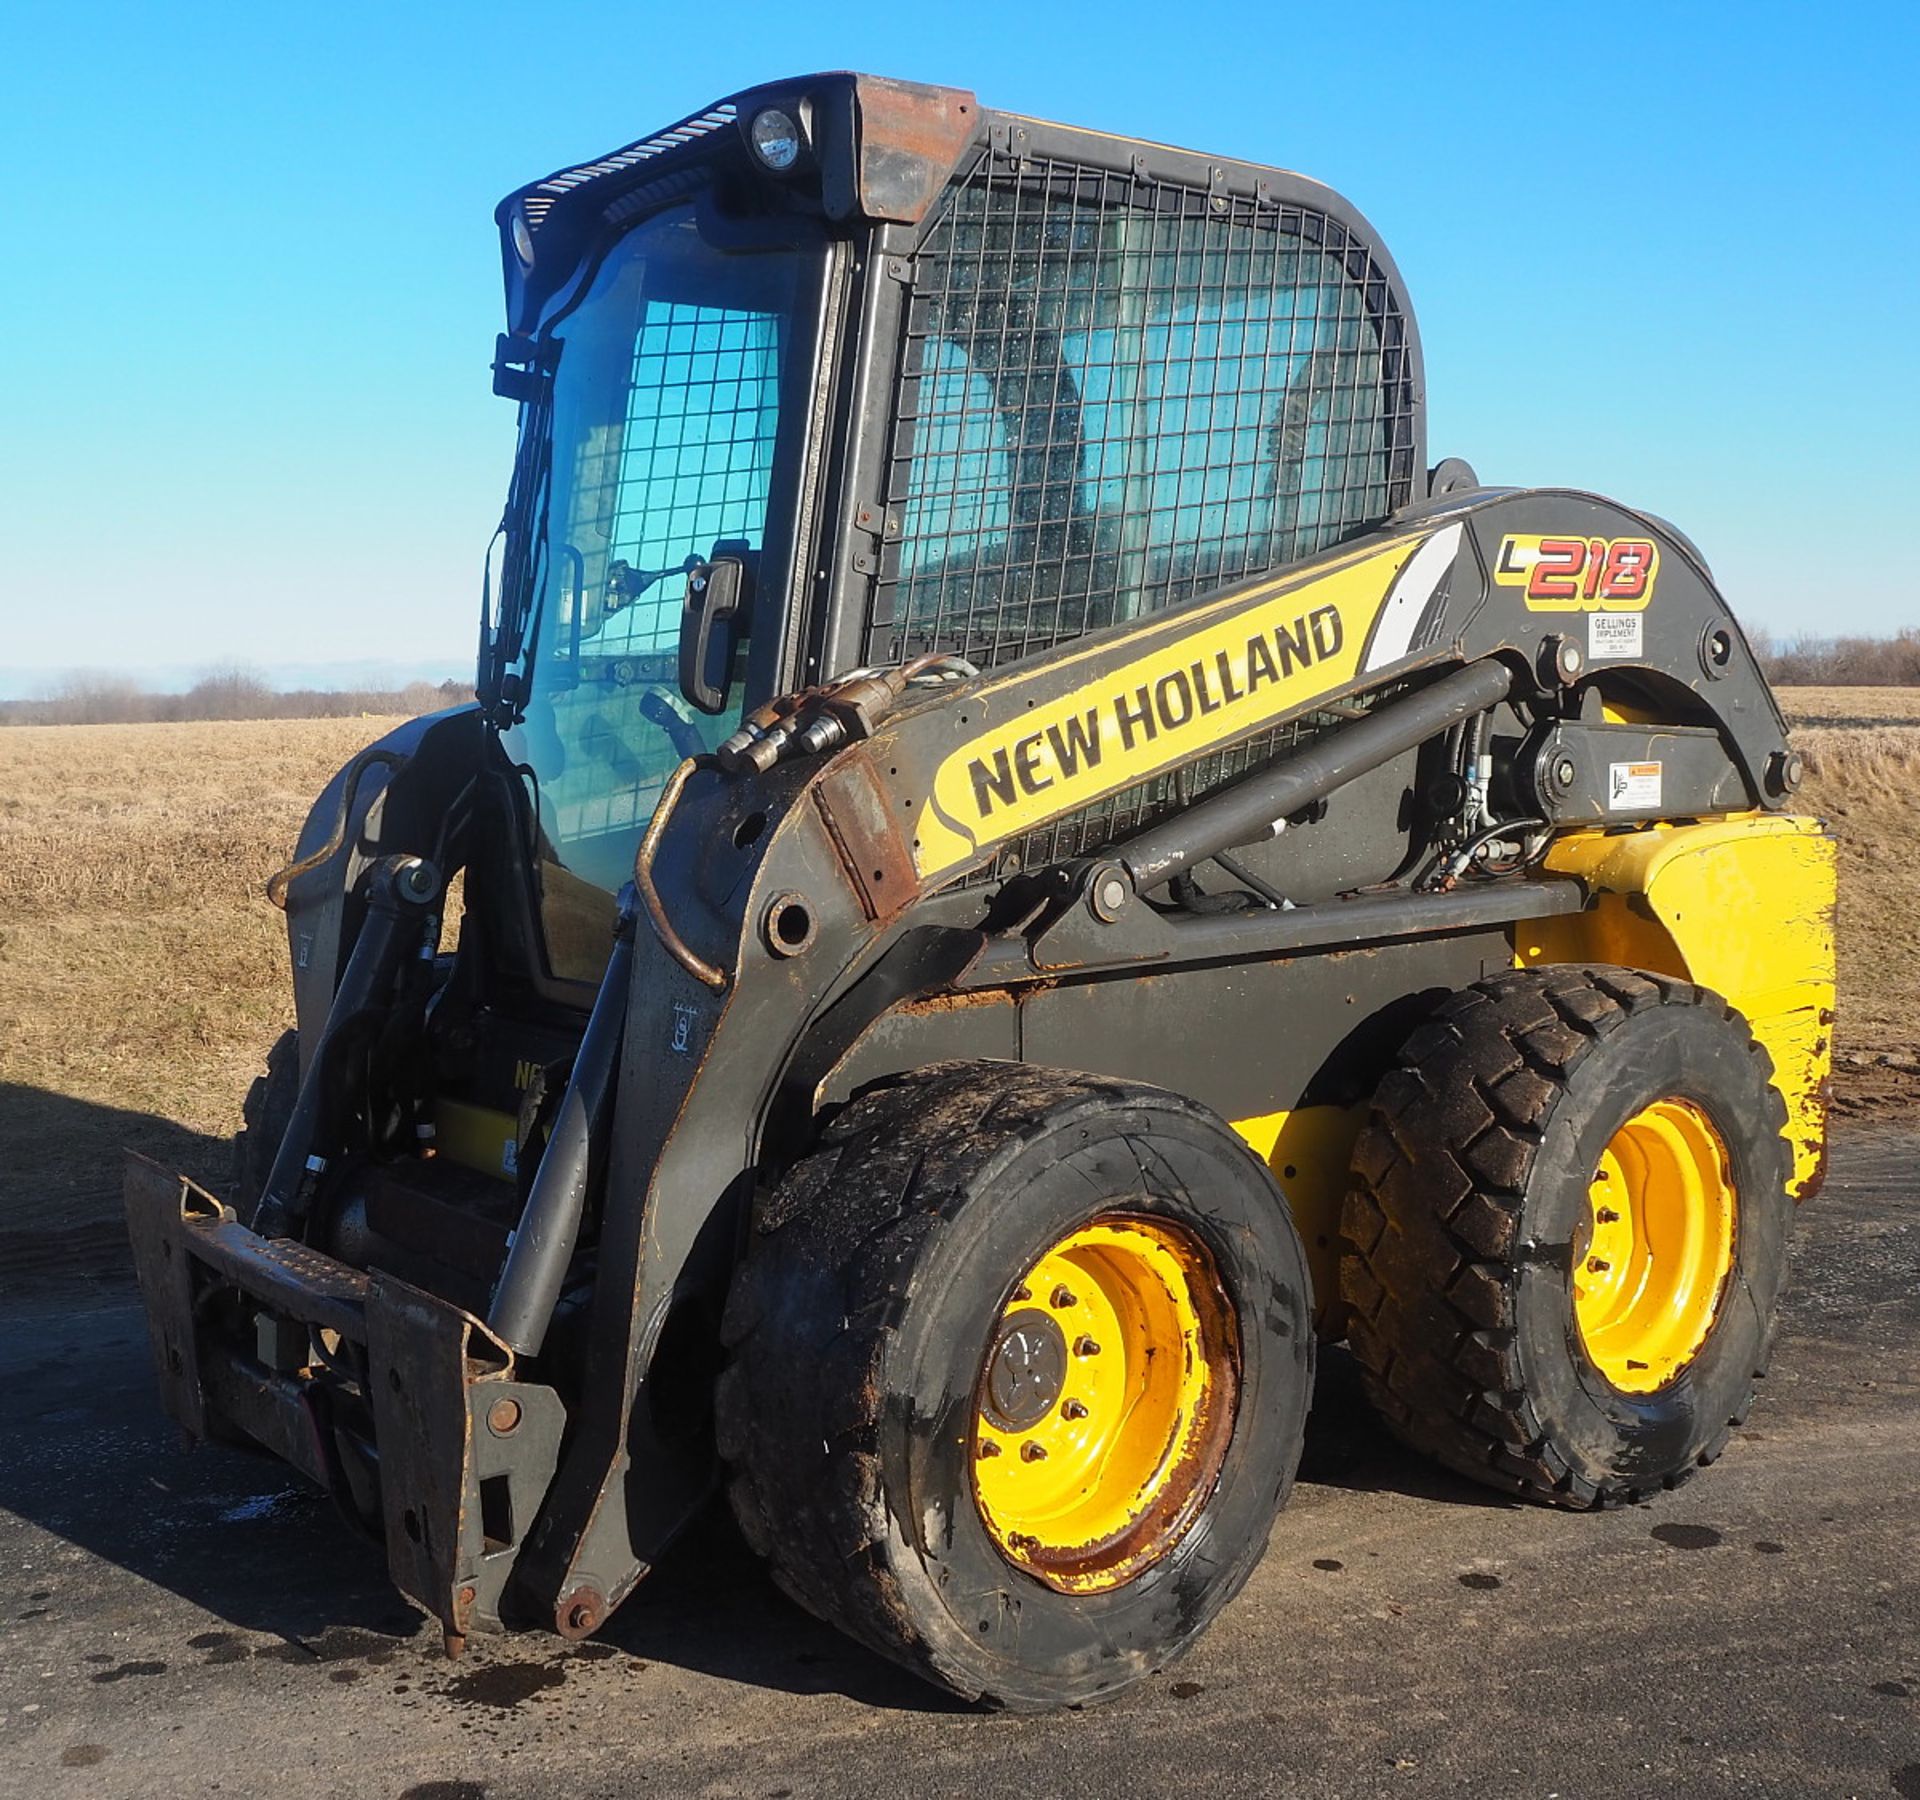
257, 426
337, 675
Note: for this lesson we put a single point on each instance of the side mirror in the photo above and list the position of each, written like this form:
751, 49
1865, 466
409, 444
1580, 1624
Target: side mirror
718, 594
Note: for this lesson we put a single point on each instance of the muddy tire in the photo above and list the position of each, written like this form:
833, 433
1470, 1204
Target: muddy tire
263, 1123
1567, 1233
898, 1313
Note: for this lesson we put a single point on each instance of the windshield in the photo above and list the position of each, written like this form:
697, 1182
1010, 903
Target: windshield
669, 434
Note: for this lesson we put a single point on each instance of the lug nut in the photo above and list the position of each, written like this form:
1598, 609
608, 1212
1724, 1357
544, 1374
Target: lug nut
1607, 1216
1073, 1410
1061, 1298
1032, 1452
987, 1448
1023, 1292
1085, 1346
1598, 1264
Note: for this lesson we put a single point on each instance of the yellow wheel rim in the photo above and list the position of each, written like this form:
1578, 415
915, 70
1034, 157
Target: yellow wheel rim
1104, 1403
1651, 1264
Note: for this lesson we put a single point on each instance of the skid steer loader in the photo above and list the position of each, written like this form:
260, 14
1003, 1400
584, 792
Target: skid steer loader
1024, 861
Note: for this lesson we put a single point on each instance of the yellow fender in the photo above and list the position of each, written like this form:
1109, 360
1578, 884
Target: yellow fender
1742, 905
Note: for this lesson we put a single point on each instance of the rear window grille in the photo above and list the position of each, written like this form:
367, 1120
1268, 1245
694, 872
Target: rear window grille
1119, 393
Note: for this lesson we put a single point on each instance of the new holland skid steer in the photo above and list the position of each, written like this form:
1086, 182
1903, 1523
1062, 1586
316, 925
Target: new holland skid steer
1024, 860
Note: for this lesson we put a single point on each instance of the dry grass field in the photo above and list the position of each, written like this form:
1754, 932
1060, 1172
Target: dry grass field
142, 972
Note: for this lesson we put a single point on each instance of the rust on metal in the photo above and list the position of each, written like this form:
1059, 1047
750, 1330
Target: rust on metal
580, 1613
272, 1408
423, 1355
911, 139
872, 848
282, 879
1821, 1140
965, 1000
1191, 1473
180, 1224
160, 1207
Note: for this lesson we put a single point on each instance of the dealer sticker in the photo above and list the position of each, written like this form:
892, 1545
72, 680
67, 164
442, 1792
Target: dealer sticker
1614, 634
1633, 787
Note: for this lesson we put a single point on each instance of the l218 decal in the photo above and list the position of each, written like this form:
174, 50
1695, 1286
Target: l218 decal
1579, 574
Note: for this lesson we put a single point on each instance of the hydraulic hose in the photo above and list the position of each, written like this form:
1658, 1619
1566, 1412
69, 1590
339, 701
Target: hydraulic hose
281, 879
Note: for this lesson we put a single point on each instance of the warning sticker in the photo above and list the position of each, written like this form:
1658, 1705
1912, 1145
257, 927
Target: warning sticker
1633, 787
1614, 634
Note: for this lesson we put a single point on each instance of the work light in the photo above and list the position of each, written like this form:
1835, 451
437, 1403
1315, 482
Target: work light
776, 138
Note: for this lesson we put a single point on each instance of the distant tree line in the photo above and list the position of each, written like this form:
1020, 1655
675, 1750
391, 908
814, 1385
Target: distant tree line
94, 699
1839, 661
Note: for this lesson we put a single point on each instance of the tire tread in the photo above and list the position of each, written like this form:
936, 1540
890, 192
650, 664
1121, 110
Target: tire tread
832, 1269
1433, 1217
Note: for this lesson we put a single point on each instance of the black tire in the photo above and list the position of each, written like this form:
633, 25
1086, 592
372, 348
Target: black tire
263, 1123
858, 1327
1468, 1208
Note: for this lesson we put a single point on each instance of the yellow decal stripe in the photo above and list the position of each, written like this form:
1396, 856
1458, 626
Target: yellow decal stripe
1229, 675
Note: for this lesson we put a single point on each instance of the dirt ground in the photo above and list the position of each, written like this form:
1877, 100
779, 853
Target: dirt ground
143, 974
175, 1625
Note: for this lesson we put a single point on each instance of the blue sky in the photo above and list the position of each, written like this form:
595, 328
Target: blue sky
1671, 253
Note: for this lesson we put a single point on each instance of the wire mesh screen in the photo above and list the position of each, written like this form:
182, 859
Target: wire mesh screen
1118, 393
669, 416
686, 469
697, 451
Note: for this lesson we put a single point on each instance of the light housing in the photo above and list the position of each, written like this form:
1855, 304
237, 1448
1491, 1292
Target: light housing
776, 138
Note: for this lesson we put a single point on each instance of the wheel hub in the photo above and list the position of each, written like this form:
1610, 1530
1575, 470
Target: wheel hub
1652, 1258
1026, 1371
1105, 1403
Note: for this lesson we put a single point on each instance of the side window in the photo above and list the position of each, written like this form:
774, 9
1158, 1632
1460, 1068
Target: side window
1115, 408
685, 464
675, 398
959, 496
702, 411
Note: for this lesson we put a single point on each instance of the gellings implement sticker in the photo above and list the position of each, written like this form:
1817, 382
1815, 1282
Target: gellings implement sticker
1577, 574
1615, 634
1198, 688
